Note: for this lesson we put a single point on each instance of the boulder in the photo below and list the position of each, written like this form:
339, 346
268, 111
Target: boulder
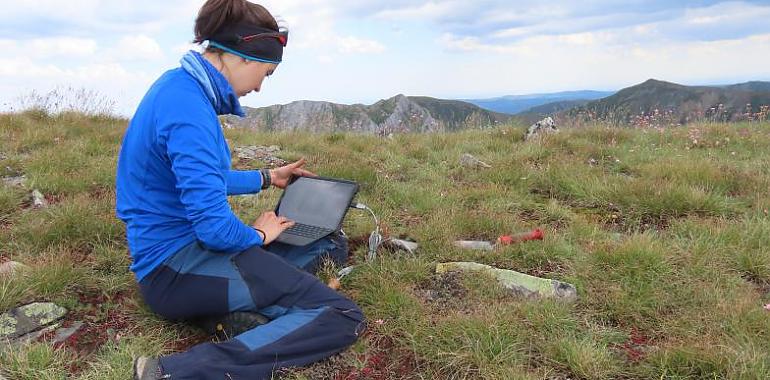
542, 127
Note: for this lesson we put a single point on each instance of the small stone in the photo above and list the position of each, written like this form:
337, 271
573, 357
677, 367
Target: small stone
38, 200
63, 334
470, 161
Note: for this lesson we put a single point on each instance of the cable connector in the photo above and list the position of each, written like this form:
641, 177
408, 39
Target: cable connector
375, 238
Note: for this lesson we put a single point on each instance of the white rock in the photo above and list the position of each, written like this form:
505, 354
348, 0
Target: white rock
38, 200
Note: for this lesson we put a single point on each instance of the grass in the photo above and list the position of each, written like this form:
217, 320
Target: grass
665, 238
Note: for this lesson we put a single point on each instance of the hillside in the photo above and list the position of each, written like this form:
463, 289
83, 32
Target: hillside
679, 104
397, 114
664, 235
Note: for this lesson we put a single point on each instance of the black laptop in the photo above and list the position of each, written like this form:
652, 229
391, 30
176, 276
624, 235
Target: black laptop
317, 205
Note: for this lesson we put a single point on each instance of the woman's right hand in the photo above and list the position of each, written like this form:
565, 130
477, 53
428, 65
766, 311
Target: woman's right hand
272, 225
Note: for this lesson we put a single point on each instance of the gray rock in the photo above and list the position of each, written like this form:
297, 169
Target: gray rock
14, 181
469, 161
63, 334
402, 245
38, 200
262, 153
29, 318
11, 268
542, 127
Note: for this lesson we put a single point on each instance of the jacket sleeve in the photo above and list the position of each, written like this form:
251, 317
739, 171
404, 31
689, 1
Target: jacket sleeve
243, 182
192, 150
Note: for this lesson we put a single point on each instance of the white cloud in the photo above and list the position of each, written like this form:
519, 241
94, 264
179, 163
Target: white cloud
352, 44
135, 47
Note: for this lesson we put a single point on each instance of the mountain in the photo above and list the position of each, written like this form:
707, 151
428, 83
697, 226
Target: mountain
538, 113
397, 114
514, 104
677, 103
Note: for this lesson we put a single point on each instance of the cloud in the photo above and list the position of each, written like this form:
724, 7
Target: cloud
352, 44
42, 48
135, 48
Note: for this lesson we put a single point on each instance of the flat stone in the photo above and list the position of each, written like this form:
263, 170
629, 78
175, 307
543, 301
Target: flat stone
33, 336
11, 268
402, 245
470, 161
63, 334
520, 283
263, 153
28, 318
14, 181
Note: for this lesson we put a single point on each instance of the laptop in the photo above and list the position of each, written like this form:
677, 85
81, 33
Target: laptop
317, 205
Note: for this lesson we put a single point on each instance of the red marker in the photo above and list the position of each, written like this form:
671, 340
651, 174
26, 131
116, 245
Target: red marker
518, 238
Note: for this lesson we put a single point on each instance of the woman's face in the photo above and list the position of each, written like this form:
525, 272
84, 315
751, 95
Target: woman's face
247, 76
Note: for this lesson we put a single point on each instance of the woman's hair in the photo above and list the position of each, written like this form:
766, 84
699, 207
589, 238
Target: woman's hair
217, 13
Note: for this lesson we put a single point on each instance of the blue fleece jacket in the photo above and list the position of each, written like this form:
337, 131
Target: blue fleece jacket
174, 174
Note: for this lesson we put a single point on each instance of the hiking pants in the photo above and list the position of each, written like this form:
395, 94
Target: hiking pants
308, 320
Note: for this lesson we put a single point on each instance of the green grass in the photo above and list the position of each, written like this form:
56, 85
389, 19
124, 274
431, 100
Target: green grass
665, 239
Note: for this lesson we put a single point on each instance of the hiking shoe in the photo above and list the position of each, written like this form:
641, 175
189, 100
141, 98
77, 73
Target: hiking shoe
146, 368
228, 326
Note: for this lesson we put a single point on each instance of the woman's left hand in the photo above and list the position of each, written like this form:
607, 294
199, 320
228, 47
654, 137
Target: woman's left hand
280, 177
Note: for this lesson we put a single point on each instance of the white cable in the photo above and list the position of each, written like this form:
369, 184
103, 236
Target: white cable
375, 238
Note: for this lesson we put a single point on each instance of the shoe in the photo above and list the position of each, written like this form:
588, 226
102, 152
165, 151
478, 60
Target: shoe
228, 326
147, 368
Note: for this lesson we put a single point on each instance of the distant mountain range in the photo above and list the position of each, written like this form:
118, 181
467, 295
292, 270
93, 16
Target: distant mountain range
397, 114
677, 103
514, 104
653, 101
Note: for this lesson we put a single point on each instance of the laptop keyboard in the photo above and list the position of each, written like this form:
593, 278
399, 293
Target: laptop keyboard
308, 231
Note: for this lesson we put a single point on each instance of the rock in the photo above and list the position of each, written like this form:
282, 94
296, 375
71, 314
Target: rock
262, 153
544, 126
469, 161
14, 181
402, 245
11, 268
523, 284
63, 334
38, 200
29, 318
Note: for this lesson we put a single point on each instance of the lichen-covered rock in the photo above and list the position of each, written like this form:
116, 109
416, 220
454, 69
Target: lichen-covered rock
28, 318
520, 283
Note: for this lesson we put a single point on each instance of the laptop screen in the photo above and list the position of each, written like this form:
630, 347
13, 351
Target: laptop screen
317, 202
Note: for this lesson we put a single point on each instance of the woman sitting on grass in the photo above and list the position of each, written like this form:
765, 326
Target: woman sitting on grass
192, 257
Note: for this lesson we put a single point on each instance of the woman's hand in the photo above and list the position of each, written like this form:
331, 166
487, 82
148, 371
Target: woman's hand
280, 177
272, 225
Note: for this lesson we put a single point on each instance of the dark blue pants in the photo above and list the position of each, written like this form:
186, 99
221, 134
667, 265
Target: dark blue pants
309, 321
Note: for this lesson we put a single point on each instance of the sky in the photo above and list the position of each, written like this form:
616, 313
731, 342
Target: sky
360, 51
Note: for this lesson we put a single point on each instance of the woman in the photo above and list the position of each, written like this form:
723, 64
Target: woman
192, 256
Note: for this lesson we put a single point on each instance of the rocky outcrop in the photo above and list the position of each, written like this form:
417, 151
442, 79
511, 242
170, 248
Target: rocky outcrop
398, 114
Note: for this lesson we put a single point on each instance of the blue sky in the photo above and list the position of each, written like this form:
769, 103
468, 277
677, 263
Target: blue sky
365, 50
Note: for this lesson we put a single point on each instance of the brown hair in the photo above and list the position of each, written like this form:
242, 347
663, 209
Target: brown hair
214, 14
